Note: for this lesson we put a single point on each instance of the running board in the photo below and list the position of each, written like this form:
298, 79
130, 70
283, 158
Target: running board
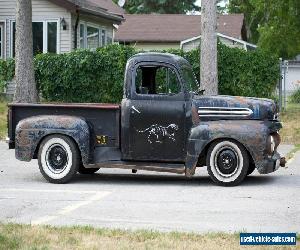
157, 167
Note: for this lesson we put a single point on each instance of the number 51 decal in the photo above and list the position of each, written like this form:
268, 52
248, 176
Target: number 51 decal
102, 139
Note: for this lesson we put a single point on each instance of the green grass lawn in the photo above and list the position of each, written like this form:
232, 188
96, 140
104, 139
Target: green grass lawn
290, 132
13, 236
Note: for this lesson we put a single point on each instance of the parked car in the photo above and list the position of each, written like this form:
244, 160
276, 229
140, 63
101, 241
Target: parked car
162, 124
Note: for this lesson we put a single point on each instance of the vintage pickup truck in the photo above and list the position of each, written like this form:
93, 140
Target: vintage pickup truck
163, 124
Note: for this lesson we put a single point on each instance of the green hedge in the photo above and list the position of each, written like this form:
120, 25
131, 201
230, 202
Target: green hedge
7, 72
85, 76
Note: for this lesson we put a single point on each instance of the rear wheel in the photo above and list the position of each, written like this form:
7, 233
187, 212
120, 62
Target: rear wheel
227, 162
59, 159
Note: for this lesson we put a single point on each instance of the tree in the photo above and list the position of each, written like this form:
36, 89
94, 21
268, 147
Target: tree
280, 33
274, 25
25, 82
252, 17
209, 70
160, 7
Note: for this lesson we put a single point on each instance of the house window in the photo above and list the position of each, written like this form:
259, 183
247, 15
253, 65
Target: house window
1, 41
103, 37
52, 37
37, 37
91, 36
82, 36
109, 39
44, 35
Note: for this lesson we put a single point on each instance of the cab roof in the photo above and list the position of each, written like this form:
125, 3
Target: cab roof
158, 57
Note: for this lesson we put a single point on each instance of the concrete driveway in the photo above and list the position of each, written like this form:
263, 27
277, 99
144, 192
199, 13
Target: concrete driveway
167, 202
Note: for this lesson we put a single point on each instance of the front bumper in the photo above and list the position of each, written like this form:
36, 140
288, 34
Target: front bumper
271, 164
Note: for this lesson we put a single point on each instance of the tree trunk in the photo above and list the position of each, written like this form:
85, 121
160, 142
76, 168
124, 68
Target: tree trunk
25, 83
209, 68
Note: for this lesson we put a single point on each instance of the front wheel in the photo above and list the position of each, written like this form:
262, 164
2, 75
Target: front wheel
59, 159
227, 162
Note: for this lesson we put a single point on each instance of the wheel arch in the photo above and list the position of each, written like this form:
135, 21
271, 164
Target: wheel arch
231, 168
249, 133
203, 153
32, 131
36, 152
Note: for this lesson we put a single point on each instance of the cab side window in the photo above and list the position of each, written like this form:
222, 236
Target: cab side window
157, 80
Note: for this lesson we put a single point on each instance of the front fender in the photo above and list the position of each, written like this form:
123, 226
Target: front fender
30, 132
252, 134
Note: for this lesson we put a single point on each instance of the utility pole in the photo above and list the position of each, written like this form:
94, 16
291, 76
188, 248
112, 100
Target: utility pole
25, 81
208, 54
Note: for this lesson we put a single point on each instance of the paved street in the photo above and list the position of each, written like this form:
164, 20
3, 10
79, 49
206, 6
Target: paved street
119, 199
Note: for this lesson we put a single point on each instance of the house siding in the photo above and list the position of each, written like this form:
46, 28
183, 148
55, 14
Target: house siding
41, 10
7, 13
292, 80
196, 43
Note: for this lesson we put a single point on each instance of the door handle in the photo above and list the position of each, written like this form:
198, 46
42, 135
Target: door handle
134, 109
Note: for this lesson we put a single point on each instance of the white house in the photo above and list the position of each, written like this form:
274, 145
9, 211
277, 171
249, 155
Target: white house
194, 42
60, 26
291, 78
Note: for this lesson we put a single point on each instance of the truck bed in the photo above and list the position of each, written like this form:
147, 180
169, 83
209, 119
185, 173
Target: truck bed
104, 118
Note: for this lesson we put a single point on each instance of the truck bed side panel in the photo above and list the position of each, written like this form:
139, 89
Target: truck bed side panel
104, 119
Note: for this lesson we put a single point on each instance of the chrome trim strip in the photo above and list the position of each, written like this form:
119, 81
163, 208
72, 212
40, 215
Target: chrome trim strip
224, 111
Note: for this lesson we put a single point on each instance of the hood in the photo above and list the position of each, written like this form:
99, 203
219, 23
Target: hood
234, 107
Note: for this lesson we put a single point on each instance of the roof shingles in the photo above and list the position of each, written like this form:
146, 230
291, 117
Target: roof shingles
173, 27
109, 5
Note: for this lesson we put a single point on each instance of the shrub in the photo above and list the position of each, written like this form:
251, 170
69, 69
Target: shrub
253, 73
240, 72
7, 72
295, 97
85, 76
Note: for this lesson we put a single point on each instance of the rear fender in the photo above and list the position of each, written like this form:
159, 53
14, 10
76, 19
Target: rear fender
31, 131
251, 134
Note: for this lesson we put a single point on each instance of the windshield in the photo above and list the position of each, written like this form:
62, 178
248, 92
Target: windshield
190, 79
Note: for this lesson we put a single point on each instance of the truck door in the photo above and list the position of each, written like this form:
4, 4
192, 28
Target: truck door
157, 113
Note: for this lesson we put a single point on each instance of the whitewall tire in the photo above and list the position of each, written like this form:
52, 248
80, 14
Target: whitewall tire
227, 162
58, 158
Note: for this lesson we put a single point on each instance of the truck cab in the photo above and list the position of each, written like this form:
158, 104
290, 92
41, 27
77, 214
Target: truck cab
162, 124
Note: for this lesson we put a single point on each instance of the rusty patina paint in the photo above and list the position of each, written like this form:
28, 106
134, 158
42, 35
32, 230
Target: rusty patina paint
31, 131
252, 134
263, 109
